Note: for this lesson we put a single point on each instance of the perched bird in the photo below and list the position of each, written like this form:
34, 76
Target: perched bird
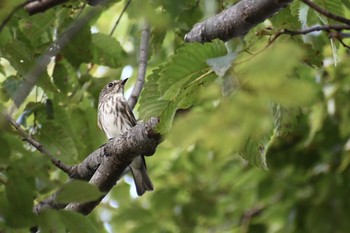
115, 117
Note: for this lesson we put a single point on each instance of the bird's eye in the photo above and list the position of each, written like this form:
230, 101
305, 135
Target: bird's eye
110, 84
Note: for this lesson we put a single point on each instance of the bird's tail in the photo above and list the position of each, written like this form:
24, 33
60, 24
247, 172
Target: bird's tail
139, 171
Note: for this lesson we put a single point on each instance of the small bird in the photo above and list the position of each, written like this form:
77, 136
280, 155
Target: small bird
115, 117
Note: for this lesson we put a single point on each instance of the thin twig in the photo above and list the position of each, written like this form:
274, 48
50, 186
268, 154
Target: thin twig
337, 27
342, 42
144, 44
120, 16
67, 169
325, 12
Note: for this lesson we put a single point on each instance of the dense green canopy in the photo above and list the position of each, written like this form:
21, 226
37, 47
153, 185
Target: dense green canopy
256, 129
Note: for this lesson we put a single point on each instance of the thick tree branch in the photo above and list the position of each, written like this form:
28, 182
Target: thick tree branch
67, 169
37, 6
105, 166
144, 44
235, 21
41, 5
325, 12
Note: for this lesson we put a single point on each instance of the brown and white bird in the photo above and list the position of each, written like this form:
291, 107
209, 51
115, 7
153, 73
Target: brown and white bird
115, 117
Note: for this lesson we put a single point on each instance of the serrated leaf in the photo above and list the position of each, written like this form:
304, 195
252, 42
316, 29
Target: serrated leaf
285, 120
79, 192
294, 7
302, 15
150, 104
105, 50
174, 86
334, 52
316, 118
333, 6
189, 60
166, 118
255, 149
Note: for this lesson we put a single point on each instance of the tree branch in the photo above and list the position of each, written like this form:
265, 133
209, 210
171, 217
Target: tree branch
325, 12
144, 44
316, 28
67, 169
37, 6
336, 35
235, 21
41, 5
105, 166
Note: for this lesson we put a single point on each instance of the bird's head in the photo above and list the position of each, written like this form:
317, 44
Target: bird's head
115, 87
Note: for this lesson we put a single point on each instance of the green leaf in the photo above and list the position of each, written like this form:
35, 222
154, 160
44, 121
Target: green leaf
285, 120
49, 221
60, 77
150, 104
77, 223
175, 85
78, 191
317, 117
78, 49
333, 6
105, 50
255, 150
57, 139
20, 194
19, 55
38, 28
187, 62
10, 86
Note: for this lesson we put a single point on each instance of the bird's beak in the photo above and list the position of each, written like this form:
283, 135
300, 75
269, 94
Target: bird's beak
124, 81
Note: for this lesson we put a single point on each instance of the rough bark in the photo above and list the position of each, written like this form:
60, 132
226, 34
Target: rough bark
105, 166
235, 21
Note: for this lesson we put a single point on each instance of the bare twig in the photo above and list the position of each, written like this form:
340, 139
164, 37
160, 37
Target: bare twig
328, 28
336, 27
325, 12
144, 44
332, 29
119, 18
67, 169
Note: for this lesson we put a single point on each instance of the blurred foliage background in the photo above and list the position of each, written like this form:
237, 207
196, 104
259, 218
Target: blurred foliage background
256, 137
